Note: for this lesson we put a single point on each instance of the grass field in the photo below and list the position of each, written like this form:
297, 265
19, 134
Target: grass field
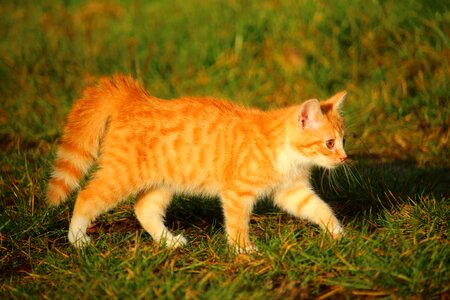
391, 56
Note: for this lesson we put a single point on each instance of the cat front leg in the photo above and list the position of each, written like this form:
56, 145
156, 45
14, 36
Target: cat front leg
301, 201
237, 208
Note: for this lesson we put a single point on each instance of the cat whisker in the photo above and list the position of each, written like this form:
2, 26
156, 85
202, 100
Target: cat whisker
333, 182
352, 175
322, 179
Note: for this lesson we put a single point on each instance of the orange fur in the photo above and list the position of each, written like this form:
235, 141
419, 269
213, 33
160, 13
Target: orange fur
155, 148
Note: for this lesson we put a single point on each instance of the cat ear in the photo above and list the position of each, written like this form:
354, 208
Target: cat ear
309, 114
337, 100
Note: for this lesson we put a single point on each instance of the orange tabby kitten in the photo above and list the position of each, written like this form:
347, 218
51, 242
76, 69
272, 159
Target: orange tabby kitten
155, 148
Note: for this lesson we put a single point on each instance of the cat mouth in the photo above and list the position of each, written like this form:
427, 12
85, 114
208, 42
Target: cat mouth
335, 164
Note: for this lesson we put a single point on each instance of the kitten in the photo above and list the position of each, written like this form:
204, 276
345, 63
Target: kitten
155, 148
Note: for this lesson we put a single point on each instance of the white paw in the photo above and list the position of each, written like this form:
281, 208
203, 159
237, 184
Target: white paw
175, 241
337, 232
79, 240
77, 231
248, 249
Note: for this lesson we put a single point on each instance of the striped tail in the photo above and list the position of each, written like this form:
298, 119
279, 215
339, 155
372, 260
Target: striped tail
80, 141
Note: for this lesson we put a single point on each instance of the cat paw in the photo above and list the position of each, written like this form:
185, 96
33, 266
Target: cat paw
175, 241
337, 232
246, 250
79, 240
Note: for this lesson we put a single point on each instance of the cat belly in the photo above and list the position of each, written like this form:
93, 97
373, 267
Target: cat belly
195, 189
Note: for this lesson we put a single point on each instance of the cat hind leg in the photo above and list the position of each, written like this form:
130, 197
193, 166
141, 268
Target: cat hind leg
150, 210
97, 197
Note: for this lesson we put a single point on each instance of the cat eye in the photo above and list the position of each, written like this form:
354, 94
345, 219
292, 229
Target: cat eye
329, 144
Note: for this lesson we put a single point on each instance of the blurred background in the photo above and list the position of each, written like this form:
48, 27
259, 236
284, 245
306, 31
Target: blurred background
391, 56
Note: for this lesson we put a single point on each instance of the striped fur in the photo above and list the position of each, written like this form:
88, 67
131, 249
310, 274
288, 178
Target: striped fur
154, 148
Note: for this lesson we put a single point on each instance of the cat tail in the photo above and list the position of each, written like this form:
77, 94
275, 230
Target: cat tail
84, 129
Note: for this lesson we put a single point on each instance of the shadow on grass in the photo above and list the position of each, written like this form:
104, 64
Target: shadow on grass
373, 188
376, 186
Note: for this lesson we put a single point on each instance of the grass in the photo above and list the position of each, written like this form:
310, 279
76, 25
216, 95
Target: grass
391, 56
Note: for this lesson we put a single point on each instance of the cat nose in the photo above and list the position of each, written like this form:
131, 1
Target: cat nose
343, 158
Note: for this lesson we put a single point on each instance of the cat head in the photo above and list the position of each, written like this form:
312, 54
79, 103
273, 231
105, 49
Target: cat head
318, 137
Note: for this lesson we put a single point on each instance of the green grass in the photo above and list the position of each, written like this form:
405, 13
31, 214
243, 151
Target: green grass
391, 56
